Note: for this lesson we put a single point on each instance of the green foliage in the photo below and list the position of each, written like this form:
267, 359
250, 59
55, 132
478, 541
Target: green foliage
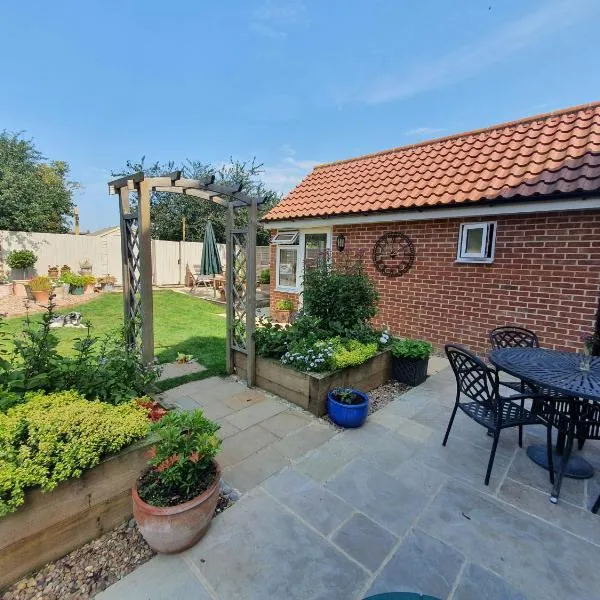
352, 353
346, 396
265, 276
167, 210
51, 438
408, 348
284, 304
100, 369
75, 280
21, 259
341, 295
270, 339
41, 283
34, 195
182, 458
306, 356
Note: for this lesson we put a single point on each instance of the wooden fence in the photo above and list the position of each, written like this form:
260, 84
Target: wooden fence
170, 260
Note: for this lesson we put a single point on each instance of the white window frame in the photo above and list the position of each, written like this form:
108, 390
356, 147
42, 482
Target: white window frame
287, 288
286, 237
477, 257
300, 247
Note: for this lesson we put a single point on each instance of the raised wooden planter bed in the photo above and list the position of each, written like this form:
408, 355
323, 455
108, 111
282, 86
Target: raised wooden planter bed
50, 525
309, 390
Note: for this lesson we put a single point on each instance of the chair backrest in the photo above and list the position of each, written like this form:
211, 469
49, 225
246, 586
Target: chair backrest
511, 336
474, 378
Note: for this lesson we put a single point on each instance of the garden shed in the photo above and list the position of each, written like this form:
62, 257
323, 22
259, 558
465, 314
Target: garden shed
462, 233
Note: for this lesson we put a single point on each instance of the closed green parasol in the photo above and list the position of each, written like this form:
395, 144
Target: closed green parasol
211, 261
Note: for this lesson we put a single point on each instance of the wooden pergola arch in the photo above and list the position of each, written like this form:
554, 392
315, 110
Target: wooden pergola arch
240, 262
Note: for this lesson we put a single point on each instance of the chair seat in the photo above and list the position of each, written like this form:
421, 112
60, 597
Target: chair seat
512, 414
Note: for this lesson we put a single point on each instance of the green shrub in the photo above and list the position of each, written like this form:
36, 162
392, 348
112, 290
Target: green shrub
271, 339
284, 304
41, 283
74, 280
21, 259
182, 465
265, 276
352, 353
53, 437
408, 348
341, 295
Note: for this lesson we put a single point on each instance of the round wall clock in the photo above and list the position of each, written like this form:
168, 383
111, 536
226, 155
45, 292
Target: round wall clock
393, 254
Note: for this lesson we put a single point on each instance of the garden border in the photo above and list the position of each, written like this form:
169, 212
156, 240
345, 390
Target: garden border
309, 390
52, 524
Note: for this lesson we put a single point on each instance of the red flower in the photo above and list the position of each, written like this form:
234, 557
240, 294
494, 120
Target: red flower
167, 463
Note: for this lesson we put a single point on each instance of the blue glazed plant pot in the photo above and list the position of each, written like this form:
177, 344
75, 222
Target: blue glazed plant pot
348, 415
76, 290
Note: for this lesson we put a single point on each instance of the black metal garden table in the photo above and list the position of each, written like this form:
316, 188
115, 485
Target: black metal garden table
559, 372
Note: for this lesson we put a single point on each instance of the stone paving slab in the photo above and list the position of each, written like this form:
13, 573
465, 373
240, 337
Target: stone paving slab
287, 422
325, 461
365, 541
303, 440
535, 557
252, 471
259, 550
241, 445
422, 565
164, 577
477, 583
251, 415
318, 507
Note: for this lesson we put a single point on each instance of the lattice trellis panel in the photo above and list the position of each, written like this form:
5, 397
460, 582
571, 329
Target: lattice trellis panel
132, 290
239, 272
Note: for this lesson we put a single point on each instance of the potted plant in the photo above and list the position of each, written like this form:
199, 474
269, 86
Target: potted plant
347, 407
41, 286
21, 263
5, 286
175, 498
265, 280
107, 283
283, 310
76, 283
64, 270
88, 284
53, 272
410, 359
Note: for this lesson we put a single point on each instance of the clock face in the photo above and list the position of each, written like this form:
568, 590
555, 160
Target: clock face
393, 254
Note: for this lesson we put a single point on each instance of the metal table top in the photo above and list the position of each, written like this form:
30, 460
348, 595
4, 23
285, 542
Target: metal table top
553, 369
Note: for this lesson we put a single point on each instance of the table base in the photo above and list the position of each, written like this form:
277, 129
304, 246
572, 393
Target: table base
577, 467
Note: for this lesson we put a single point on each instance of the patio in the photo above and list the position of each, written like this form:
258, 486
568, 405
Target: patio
347, 514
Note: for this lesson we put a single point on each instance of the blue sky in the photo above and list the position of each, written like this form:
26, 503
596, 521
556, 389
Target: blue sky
292, 82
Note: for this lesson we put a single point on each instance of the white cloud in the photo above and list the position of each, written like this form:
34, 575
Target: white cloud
470, 59
424, 131
272, 18
288, 172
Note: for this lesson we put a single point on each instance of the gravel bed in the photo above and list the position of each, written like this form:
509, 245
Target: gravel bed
12, 306
92, 568
378, 398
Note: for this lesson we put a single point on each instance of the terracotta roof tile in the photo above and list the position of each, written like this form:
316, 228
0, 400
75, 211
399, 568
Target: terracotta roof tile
545, 155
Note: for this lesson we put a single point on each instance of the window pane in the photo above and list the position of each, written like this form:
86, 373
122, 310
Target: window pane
315, 245
474, 240
287, 266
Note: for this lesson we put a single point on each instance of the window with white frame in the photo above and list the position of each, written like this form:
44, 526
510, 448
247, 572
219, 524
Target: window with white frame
287, 268
476, 242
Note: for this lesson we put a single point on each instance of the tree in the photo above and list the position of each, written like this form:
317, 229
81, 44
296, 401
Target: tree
34, 195
168, 210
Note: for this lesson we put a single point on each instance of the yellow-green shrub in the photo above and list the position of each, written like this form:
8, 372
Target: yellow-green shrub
53, 437
352, 354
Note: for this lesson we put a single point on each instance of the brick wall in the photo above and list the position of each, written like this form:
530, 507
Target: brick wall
545, 276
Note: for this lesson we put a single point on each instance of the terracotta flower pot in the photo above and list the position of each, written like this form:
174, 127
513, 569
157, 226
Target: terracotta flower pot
89, 288
41, 296
170, 529
20, 287
5, 289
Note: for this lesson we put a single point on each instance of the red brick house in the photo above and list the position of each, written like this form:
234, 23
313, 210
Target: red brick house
503, 227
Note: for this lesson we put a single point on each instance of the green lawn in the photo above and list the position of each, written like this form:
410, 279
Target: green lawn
181, 324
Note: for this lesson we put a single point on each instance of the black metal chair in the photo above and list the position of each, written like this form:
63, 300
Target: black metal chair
589, 429
480, 384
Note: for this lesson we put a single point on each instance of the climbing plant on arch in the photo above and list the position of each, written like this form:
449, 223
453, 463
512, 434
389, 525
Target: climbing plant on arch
240, 261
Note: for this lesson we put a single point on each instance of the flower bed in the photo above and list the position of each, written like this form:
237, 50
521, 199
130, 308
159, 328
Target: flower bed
66, 468
309, 390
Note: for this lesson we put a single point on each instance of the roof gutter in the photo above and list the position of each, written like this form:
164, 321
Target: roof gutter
431, 213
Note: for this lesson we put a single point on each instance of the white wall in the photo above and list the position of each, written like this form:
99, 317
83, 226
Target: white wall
169, 259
